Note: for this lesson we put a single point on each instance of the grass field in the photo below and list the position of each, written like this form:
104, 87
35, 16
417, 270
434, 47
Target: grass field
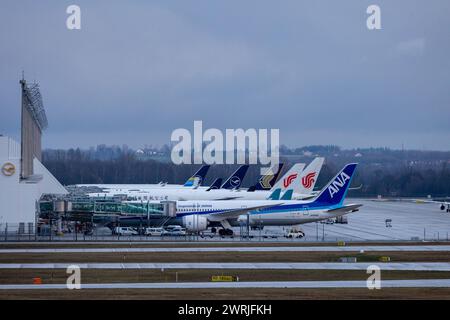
231, 294
49, 276
312, 256
185, 244
25, 276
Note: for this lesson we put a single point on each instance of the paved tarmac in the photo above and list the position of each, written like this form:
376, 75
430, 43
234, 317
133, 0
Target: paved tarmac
415, 266
441, 283
234, 249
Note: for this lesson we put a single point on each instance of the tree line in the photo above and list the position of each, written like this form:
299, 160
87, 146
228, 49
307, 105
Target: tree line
380, 171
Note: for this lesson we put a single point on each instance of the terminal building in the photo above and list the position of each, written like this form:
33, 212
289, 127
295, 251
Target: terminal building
23, 178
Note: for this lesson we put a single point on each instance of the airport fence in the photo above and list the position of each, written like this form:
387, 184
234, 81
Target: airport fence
18, 232
313, 233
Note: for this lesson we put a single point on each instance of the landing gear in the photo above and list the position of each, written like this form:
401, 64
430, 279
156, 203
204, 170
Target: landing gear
225, 232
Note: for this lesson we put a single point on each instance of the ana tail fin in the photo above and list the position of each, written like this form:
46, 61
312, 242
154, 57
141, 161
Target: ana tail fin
336, 190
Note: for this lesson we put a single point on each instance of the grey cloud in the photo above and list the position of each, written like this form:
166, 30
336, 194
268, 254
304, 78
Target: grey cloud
139, 69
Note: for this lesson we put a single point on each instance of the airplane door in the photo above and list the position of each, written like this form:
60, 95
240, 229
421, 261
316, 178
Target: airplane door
305, 211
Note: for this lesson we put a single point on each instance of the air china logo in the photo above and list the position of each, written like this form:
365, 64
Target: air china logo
287, 181
308, 180
337, 184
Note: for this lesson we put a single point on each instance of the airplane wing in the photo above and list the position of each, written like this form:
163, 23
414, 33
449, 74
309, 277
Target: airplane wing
346, 209
228, 198
237, 212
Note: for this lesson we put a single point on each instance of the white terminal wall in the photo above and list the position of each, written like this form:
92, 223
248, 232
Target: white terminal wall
18, 198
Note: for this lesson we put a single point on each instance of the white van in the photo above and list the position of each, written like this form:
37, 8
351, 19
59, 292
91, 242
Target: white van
153, 231
125, 231
174, 230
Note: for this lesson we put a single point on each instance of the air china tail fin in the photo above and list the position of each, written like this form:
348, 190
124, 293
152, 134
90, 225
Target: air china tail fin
336, 190
309, 176
268, 179
235, 180
290, 179
198, 177
216, 184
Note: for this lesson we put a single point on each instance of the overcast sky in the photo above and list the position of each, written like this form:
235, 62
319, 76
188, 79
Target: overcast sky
139, 69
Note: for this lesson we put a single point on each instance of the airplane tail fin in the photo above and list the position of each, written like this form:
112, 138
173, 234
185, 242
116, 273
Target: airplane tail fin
309, 176
216, 184
275, 195
336, 190
198, 177
235, 180
290, 179
287, 195
268, 179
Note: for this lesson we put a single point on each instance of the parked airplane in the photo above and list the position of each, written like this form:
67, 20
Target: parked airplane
159, 192
199, 215
288, 182
194, 181
444, 205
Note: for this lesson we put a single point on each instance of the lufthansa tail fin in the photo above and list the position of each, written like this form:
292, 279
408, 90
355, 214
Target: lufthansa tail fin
216, 184
198, 177
336, 190
235, 180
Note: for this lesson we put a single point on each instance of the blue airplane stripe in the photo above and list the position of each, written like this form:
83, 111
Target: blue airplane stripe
277, 209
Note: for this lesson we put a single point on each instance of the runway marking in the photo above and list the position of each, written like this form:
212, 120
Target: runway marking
232, 249
428, 283
411, 266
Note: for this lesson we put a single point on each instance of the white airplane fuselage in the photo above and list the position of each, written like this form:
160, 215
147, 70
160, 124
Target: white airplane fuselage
277, 213
186, 194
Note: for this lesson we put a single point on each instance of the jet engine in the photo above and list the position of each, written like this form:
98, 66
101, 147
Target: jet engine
195, 223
